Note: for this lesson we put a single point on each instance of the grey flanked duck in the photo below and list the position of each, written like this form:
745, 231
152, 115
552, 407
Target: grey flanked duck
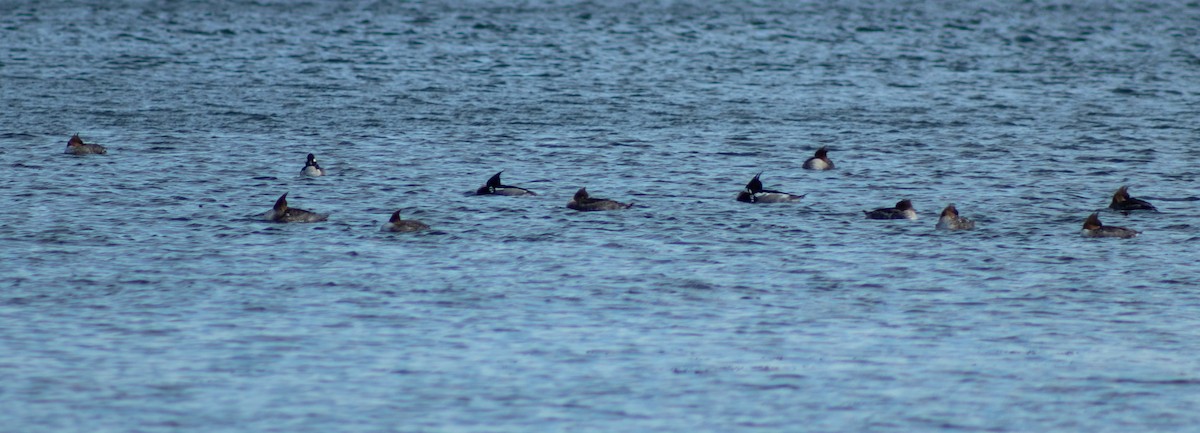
76, 146
583, 202
395, 224
1093, 228
281, 213
902, 210
819, 161
754, 193
494, 187
1123, 202
951, 221
311, 168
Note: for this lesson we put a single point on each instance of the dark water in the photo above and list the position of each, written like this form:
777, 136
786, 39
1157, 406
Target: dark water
141, 293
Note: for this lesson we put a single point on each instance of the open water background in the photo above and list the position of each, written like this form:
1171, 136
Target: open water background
140, 292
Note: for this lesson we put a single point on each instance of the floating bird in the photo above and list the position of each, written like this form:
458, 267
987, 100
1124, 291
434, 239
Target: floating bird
903, 210
493, 187
395, 224
951, 221
819, 161
582, 202
311, 168
76, 146
754, 193
281, 213
1092, 228
1121, 201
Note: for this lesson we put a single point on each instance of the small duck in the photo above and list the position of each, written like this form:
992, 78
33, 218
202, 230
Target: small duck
281, 213
903, 210
819, 161
582, 202
76, 146
311, 168
1092, 228
493, 187
395, 224
1123, 202
754, 193
951, 221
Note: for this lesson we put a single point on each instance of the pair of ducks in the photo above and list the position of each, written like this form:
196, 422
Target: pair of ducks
282, 213
1121, 202
76, 146
754, 192
949, 220
582, 201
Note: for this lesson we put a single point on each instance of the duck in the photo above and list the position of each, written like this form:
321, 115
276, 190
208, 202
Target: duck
1121, 201
494, 187
76, 146
903, 210
1093, 228
311, 168
754, 193
951, 221
395, 224
583, 202
819, 161
281, 213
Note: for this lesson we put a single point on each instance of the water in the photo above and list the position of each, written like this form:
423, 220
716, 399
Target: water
142, 293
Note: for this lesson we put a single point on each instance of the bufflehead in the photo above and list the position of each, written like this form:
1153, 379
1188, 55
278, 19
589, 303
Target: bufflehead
311, 168
819, 161
1121, 201
494, 187
281, 213
951, 221
754, 193
1092, 228
582, 202
903, 210
75, 146
395, 224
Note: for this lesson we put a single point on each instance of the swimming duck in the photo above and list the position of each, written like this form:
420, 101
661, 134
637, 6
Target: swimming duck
395, 224
311, 168
494, 187
582, 202
1121, 201
951, 221
819, 161
75, 146
281, 213
903, 210
754, 193
1092, 228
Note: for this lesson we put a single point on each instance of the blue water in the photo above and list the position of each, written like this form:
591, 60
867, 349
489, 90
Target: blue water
140, 291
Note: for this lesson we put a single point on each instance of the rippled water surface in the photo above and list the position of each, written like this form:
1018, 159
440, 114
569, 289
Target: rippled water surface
140, 290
